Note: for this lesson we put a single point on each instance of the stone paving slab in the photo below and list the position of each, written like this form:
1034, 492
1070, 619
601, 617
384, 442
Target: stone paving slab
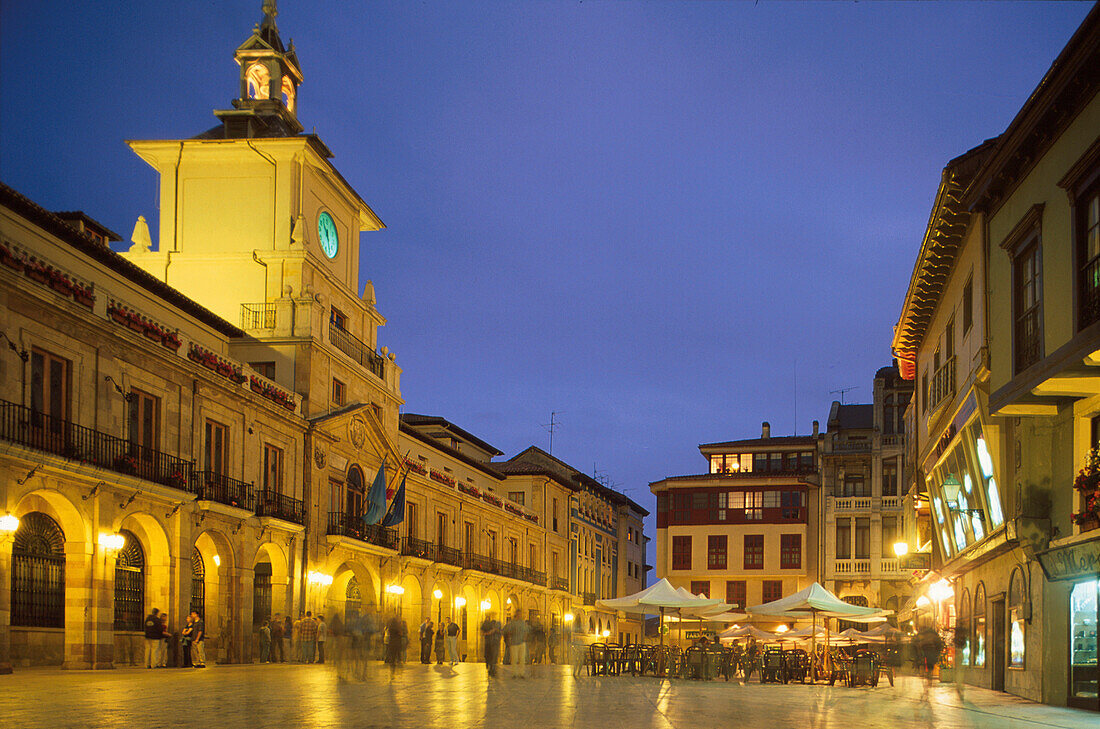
418, 696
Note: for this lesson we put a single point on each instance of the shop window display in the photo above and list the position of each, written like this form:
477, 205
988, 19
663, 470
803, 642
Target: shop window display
1017, 610
1083, 654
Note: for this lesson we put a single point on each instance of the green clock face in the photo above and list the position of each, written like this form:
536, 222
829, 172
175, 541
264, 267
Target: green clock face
326, 232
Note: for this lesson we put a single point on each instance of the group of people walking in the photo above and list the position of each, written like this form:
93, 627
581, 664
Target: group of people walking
307, 635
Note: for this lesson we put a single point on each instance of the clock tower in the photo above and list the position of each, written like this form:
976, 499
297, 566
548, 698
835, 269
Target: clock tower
257, 224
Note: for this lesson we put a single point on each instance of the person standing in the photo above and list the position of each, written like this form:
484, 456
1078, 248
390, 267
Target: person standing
198, 638
440, 635
307, 637
426, 634
516, 634
162, 644
452, 641
288, 637
185, 641
490, 635
296, 643
265, 642
322, 638
278, 655
154, 629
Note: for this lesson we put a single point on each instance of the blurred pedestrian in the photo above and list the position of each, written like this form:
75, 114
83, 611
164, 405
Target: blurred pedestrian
278, 653
490, 636
552, 644
322, 638
515, 633
198, 639
452, 641
154, 630
288, 637
265, 642
296, 644
395, 641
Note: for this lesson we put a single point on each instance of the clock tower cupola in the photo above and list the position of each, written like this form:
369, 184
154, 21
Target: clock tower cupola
269, 80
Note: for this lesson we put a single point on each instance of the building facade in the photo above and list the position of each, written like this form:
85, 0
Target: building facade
196, 424
998, 331
862, 467
746, 529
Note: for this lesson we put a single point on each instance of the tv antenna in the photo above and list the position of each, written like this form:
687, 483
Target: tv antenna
552, 426
841, 392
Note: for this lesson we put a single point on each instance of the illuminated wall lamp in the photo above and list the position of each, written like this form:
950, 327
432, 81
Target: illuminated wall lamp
437, 594
901, 549
111, 542
8, 524
460, 602
319, 578
952, 487
395, 589
568, 617
486, 604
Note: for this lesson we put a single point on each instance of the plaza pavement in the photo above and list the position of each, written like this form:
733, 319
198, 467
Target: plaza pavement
289, 695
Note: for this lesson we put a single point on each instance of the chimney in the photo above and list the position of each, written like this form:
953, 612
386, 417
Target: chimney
817, 426
765, 429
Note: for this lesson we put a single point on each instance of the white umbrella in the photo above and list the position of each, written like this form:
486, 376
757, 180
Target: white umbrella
658, 597
816, 600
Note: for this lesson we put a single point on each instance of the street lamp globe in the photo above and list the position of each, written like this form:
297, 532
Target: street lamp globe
901, 548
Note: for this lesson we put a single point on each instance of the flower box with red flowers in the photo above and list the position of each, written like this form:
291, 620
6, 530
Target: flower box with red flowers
126, 463
270, 392
445, 479
256, 385
177, 480
512, 508
494, 500
1087, 483
83, 295
10, 259
531, 518
59, 282
171, 340
416, 466
37, 271
468, 489
153, 331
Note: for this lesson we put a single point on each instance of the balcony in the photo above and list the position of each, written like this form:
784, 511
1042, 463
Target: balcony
257, 316
559, 583
853, 566
892, 440
942, 386
213, 486
589, 598
413, 547
852, 446
891, 502
21, 425
349, 525
494, 566
850, 503
358, 350
280, 506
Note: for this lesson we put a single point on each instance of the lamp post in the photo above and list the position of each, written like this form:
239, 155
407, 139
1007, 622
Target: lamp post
567, 640
438, 595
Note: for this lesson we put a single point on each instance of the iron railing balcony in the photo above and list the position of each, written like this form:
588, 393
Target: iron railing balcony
33, 429
357, 349
422, 548
280, 506
257, 316
942, 386
351, 525
448, 555
559, 583
589, 598
213, 486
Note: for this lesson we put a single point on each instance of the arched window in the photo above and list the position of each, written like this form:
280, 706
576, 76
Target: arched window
962, 629
261, 593
38, 573
1017, 614
353, 600
198, 584
129, 584
259, 81
978, 641
288, 93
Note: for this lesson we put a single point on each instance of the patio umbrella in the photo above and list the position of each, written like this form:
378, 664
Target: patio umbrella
747, 631
658, 597
816, 600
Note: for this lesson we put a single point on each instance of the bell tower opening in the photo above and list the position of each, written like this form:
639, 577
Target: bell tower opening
269, 79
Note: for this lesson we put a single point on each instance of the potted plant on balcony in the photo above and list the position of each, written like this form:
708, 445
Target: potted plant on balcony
177, 480
36, 271
126, 463
83, 295
9, 259
1087, 483
60, 282
171, 340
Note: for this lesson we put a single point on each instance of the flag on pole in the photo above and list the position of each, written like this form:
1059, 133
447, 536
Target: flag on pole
396, 514
376, 497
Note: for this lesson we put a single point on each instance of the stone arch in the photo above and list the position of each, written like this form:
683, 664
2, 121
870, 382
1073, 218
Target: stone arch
270, 584
158, 559
222, 594
70, 648
409, 604
353, 592
512, 606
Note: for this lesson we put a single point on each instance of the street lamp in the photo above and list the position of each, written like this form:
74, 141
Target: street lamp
438, 595
8, 524
952, 487
486, 604
111, 542
901, 549
566, 640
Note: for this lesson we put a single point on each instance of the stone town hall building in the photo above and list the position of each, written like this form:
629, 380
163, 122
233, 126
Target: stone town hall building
196, 425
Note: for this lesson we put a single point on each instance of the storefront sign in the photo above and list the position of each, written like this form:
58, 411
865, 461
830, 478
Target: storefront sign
1072, 561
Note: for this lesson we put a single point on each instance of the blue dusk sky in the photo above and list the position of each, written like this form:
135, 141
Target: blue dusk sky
666, 221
